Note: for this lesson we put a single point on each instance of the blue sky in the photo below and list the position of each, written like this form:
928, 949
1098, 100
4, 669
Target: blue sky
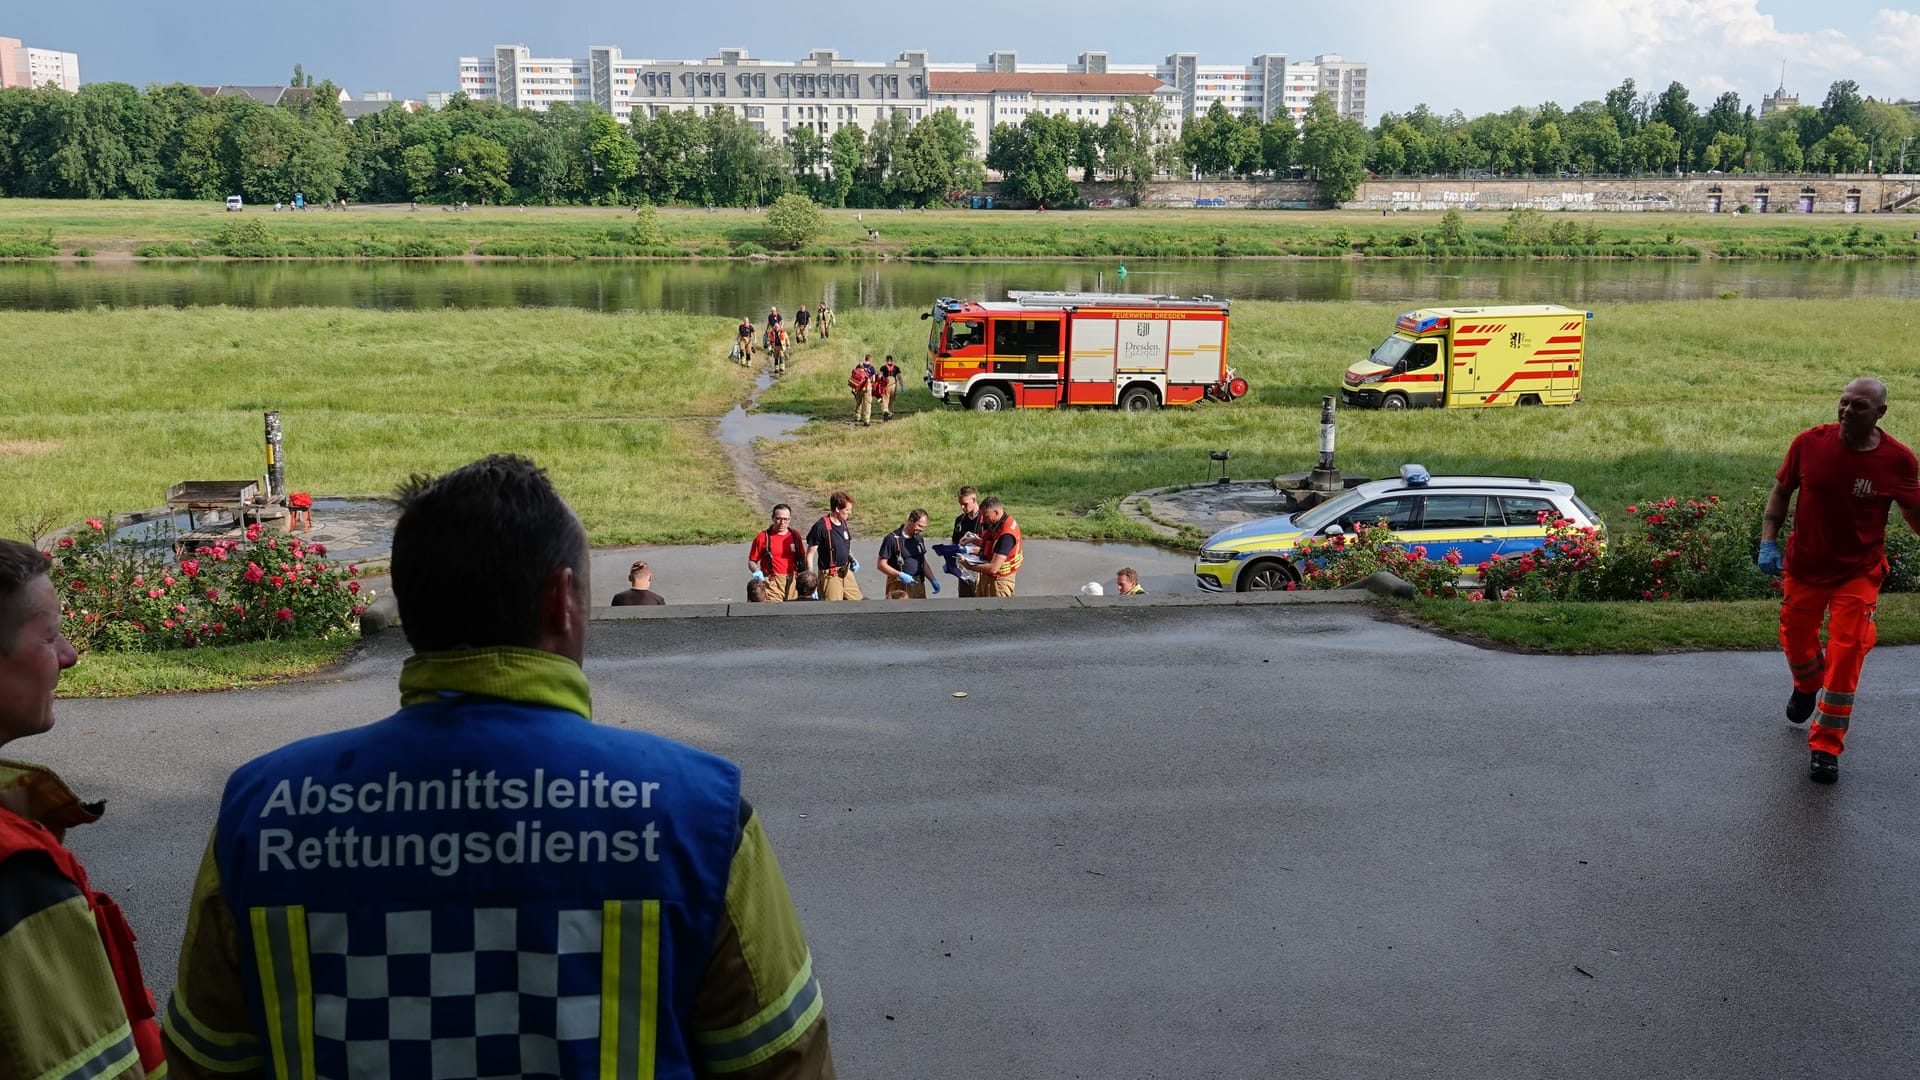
1473, 55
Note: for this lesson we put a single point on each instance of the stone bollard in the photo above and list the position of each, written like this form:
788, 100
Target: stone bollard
382, 613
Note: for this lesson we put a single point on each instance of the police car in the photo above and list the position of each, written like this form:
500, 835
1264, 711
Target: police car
1482, 517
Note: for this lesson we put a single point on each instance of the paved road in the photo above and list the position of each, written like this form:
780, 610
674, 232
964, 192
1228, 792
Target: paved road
1179, 842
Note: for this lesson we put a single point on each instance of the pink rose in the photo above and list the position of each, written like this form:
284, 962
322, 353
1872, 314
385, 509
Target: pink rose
254, 574
95, 525
190, 567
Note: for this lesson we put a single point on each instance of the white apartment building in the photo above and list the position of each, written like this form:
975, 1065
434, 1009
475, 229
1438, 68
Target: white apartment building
24, 66
1267, 87
1345, 81
985, 99
823, 92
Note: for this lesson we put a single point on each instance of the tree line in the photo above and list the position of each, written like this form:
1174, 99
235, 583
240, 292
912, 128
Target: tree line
111, 141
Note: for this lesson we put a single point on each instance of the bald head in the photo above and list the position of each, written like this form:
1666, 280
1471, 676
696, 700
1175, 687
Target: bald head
1869, 387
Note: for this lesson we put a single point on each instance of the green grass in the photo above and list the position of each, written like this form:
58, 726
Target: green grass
1639, 628
223, 667
106, 409
1690, 398
41, 228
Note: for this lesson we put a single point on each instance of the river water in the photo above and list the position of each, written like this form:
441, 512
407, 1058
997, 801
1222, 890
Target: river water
733, 289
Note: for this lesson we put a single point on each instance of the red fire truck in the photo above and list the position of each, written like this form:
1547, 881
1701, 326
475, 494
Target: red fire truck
1045, 350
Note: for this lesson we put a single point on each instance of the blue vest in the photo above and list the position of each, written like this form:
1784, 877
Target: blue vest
473, 887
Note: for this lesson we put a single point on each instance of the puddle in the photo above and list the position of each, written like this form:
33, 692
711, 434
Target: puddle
740, 427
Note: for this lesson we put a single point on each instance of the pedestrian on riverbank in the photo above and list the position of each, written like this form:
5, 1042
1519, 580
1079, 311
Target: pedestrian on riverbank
773, 322
861, 381
743, 341
831, 541
823, 317
1847, 475
903, 558
777, 554
74, 1002
488, 883
886, 386
801, 319
966, 524
639, 588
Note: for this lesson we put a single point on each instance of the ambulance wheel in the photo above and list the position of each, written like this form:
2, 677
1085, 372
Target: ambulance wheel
1395, 401
1529, 399
1268, 575
1139, 399
989, 399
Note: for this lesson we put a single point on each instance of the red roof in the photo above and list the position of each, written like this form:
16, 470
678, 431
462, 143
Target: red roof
1039, 82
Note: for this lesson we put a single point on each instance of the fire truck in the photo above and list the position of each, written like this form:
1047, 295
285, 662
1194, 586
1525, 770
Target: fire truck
1048, 350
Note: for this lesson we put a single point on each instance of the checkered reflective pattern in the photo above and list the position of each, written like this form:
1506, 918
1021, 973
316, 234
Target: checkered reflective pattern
456, 993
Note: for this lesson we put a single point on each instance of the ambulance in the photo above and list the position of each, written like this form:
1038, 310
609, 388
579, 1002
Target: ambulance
1474, 358
1046, 350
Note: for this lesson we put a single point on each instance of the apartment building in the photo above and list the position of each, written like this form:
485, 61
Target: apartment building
24, 66
1267, 87
985, 99
824, 92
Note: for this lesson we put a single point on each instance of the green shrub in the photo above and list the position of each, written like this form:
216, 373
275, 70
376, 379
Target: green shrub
794, 221
647, 231
83, 253
250, 239
1333, 561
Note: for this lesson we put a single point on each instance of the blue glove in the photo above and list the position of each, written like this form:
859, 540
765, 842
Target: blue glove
906, 579
935, 582
757, 575
1771, 561
854, 566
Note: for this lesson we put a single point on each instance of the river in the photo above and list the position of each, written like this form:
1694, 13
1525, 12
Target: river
733, 289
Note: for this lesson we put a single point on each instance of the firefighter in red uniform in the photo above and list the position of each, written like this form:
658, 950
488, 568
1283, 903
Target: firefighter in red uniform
1000, 550
1847, 475
72, 1000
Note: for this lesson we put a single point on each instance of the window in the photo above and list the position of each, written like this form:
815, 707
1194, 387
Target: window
1524, 512
1024, 337
1422, 356
1397, 512
1455, 512
963, 333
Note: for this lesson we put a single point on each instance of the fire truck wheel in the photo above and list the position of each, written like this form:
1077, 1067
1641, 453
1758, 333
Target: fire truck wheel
1237, 389
1395, 400
1268, 575
1138, 399
989, 399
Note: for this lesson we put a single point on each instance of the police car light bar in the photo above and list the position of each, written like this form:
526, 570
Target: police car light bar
1415, 475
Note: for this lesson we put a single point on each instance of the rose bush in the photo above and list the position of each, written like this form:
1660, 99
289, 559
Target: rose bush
1333, 561
1569, 565
118, 597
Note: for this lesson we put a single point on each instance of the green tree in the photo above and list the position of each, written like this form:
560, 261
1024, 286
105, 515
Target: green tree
794, 221
1841, 151
1675, 109
1205, 143
1032, 159
1656, 148
1842, 107
612, 155
1279, 139
845, 153
476, 168
1335, 148
1623, 105
1135, 149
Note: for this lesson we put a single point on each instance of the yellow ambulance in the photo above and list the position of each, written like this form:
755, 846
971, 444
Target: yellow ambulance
1474, 358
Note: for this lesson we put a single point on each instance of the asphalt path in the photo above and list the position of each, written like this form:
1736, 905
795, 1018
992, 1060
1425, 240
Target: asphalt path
1221, 841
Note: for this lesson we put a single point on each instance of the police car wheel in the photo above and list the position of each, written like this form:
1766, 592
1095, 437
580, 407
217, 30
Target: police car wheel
1395, 401
1267, 575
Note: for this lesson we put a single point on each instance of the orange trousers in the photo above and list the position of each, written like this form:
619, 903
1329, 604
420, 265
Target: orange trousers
1847, 609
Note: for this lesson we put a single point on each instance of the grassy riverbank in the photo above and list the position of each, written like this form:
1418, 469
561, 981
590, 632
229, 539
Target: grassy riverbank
48, 228
1640, 627
1681, 398
106, 408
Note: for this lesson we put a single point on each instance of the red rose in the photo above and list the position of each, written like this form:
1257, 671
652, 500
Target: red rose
213, 594
66, 541
81, 586
168, 623
278, 581
253, 532
95, 525
353, 588
190, 567
254, 574
284, 614
319, 549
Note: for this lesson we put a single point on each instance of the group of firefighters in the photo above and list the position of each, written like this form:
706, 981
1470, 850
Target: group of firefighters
775, 338
984, 555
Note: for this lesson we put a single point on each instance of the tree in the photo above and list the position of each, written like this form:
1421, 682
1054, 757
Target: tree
937, 159
1674, 108
1205, 144
476, 168
1133, 144
1335, 148
614, 158
1623, 105
794, 221
845, 151
1656, 148
1842, 106
1032, 158
1841, 151
1278, 141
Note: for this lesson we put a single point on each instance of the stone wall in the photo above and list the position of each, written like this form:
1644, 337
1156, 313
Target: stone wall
1699, 194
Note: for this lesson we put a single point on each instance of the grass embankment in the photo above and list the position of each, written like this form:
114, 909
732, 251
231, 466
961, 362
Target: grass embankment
44, 228
105, 409
1641, 628
219, 667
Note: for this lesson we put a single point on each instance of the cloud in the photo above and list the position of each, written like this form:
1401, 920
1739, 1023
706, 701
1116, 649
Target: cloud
1577, 52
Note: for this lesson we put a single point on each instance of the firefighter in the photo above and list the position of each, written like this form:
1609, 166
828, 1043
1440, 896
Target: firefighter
487, 883
1127, 581
831, 541
1000, 549
800, 320
861, 381
74, 1002
823, 318
1847, 473
743, 343
965, 523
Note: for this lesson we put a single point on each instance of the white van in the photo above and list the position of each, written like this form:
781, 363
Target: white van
233, 202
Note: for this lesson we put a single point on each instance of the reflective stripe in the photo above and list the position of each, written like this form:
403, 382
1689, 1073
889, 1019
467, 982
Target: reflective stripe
770, 1031
1832, 697
286, 987
215, 1051
629, 989
114, 1052
1807, 668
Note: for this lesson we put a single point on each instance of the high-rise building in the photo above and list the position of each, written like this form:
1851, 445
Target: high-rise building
24, 66
1345, 81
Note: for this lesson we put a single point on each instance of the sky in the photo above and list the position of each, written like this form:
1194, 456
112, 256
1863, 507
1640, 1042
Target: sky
1472, 55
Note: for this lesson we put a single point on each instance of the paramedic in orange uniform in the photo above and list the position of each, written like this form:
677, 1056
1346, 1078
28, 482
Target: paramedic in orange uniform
1847, 474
